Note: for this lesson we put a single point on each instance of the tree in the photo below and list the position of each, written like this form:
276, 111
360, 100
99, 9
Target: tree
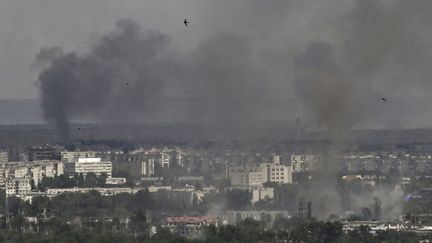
238, 199
101, 180
32, 185
90, 180
198, 186
361, 234
194, 201
80, 180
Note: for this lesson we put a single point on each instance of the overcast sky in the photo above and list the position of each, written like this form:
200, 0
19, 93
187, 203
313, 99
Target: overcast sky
27, 26
276, 28
390, 38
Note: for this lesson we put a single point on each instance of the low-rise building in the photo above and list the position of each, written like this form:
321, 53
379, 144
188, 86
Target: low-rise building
232, 217
190, 180
102, 191
152, 180
115, 180
189, 226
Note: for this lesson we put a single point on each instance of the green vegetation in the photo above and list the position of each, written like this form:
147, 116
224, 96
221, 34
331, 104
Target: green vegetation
91, 217
246, 231
62, 181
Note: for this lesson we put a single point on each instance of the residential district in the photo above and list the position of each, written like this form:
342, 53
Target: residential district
186, 190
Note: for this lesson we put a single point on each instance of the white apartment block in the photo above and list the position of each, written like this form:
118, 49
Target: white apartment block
254, 177
247, 177
18, 187
48, 169
37, 170
94, 165
115, 181
180, 157
165, 160
281, 174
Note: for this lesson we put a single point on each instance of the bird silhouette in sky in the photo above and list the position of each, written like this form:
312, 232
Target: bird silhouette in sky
186, 22
384, 99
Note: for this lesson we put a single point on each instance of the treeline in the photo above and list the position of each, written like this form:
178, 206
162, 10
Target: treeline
246, 231
93, 204
63, 181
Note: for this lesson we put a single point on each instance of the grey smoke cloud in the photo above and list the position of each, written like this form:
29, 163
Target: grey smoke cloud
112, 79
368, 49
324, 88
124, 74
380, 50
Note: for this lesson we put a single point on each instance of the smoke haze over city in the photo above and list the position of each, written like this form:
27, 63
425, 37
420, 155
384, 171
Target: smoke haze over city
216, 121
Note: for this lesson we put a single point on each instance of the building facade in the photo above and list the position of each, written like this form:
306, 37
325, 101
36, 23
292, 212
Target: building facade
281, 174
90, 165
67, 156
303, 162
18, 187
247, 177
135, 168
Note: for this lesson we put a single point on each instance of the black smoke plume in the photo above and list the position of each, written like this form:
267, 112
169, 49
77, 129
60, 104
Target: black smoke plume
126, 73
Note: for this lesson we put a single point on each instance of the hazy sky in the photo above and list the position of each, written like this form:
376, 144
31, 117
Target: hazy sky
379, 47
26, 26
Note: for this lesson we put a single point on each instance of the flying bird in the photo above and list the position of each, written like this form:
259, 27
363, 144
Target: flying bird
186, 22
384, 99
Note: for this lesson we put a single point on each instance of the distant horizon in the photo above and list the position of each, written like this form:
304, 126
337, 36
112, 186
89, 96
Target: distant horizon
393, 115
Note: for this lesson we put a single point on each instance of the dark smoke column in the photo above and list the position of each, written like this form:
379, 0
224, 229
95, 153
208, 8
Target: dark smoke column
58, 85
110, 83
